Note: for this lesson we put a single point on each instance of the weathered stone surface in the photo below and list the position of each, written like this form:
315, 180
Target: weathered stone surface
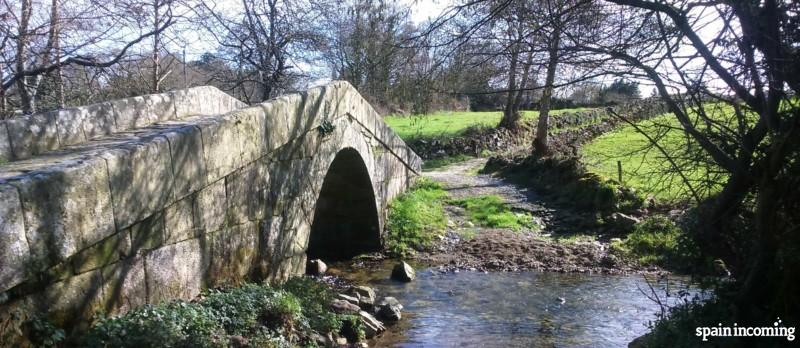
137, 112
365, 295
403, 272
141, 180
248, 193
105, 252
14, 251
389, 308
179, 221
32, 134
188, 160
233, 251
66, 209
147, 234
203, 100
176, 271
348, 298
124, 286
5, 144
69, 123
209, 207
98, 120
251, 127
221, 147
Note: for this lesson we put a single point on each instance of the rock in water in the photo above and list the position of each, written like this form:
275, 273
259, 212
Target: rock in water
316, 267
365, 295
390, 309
372, 326
403, 272
348, 298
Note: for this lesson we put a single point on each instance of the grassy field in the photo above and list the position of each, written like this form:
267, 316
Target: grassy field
451, 123
644, 167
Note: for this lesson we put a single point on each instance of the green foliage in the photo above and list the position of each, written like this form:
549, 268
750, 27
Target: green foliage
492, 211
174, 324
676, 327
44, 334
262, 314
658, 241
416, 217
315, 298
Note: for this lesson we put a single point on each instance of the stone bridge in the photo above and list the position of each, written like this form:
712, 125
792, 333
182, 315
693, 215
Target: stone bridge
152, 198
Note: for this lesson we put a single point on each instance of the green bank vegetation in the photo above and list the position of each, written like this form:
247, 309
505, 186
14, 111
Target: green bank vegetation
416, 217
492, 211
261, 315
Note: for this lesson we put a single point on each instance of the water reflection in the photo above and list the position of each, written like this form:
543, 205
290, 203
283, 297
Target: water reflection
473, 309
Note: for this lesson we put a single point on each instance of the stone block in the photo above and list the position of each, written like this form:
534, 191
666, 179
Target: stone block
70, 125
188, 161
141, 179
31, 135
105, 252
98, 120
142, 111
124, 286
221, 147
75, 297
179, 221
66, 208
233, 251
5, 145
248, 192
14, 250
204, 100
147, 234
209, 207
252, 132
176, 271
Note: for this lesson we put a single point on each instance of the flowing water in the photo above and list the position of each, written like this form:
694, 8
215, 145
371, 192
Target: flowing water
525, 309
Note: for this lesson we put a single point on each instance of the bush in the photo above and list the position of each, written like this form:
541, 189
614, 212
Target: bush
315, 298
416, 217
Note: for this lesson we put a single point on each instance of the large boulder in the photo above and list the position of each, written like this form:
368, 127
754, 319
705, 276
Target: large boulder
403, 272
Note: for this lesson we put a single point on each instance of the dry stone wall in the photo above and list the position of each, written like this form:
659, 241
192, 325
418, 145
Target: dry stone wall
212, 194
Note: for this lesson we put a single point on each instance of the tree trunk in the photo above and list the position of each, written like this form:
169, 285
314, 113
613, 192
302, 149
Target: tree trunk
27, 103
524, 84
540, 143
156, 79
511, 118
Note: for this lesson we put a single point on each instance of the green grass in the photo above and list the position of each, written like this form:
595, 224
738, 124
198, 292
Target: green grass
492, 211
451, 123
416, 217
645, 168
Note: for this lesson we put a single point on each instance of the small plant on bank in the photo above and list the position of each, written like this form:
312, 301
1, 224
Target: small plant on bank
416, 217
492, 211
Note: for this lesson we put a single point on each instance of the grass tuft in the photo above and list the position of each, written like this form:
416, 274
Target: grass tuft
492, 211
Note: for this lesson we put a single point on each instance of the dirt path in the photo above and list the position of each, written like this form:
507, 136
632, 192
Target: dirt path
466, 246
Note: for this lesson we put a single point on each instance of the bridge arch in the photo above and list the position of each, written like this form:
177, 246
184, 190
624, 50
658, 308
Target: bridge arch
346, 221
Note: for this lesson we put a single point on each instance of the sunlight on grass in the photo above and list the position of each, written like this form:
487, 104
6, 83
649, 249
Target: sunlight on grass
416, 217
492, 211
452, 123
644, 167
